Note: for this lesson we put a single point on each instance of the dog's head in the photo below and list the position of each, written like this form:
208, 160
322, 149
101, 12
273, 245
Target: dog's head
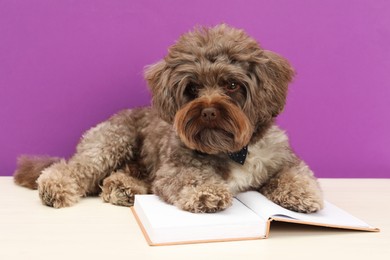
219, 88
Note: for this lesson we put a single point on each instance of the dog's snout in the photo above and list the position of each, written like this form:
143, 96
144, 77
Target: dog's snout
209, 114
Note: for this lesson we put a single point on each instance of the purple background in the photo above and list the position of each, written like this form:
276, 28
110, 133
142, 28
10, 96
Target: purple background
67, 65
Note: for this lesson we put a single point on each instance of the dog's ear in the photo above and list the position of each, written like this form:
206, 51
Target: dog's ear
274, 73
163, 98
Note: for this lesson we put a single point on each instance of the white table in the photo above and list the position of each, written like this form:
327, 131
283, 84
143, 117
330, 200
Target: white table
96, 230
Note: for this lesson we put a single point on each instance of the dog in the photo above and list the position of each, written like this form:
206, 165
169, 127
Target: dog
209, 134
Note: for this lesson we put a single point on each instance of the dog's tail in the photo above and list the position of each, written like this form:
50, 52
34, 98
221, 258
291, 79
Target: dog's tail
30, 167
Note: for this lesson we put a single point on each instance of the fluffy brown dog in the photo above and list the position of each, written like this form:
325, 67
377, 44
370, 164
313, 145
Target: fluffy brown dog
209, 135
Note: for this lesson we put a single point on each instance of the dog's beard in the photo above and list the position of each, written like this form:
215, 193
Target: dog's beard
230, 131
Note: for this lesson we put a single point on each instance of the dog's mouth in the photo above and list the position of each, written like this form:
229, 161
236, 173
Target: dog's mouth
213, 127
212, 141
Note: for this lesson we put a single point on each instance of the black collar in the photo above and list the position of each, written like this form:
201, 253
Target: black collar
240, 156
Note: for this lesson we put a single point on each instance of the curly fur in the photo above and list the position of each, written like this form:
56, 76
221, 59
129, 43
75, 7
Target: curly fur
215, 92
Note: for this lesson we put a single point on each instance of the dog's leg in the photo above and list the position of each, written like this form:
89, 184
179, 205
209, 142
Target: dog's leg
192, 189
119, 188
294, 188
101, 151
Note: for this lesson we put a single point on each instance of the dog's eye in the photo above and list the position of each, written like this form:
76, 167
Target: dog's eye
232, 87
192, 89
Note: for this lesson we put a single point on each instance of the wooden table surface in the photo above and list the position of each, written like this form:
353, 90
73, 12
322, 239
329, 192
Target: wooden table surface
96, 230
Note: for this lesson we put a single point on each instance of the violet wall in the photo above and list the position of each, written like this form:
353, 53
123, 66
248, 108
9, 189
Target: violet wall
67, 65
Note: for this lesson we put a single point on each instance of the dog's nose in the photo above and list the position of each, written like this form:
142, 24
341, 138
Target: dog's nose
209, 114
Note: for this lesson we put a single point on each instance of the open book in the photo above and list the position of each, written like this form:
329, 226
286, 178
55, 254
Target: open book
248, 218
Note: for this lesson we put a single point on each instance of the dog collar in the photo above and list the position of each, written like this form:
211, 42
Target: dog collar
240, 156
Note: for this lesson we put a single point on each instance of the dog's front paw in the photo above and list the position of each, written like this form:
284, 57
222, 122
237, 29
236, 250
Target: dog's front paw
297, 199
204, 199
57, 190
295, 189
305, 203
119, 189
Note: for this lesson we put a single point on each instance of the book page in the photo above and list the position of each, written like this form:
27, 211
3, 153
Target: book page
330, 215
165, 223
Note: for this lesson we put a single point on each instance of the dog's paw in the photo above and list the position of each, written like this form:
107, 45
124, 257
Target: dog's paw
299, 199
305, 203
119, 189
57, 190
295, 188
204, 199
